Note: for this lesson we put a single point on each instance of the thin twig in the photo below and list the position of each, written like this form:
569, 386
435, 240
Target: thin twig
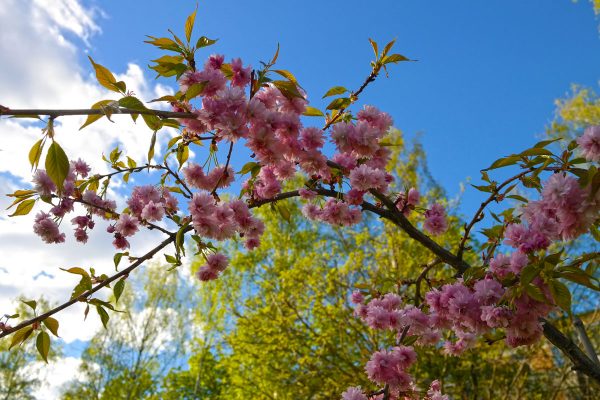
54, 113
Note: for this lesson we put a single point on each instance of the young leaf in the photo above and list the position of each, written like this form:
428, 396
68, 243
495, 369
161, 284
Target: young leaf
118, 289
30, 303
43, 345
204, 42
335, 91
338, 104
560, 294
287, 75
52, 325
103, 315
189, 25
106, 78
394, 58
93, 118
20, 336
313, 112
57, 164
151, 150
183, 152
23, 208
375, 49
35, 153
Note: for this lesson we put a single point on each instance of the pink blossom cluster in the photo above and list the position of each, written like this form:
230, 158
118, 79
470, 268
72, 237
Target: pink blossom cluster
589, 143
334, 212
217, 178
46, 225
468, 311
215, 264
222, 221
564, 211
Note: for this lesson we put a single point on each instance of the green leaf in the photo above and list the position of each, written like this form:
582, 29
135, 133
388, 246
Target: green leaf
288, 89
152, 121
118, 289
503, 162
57, 164
30, 303
173, 141
204, 42
23, 208
517, 197
106, 78
132, 102
387, 48
335, 91
313, 112
287, 75
103, 315
528, 273
536, 151
195, 90
43, 345
544, 143
76, 271
35, 153
20, 336
93, 118
375, 49
52, 325
248, 167
535, 293
183, 152
164, 43
561, 294
151, 150
339, 104
170, 259
394, 58
189, 24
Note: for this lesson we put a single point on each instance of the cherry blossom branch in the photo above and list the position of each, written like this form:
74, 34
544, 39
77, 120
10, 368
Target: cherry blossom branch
54, 113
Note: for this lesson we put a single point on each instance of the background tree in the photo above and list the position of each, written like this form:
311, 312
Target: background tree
152, 335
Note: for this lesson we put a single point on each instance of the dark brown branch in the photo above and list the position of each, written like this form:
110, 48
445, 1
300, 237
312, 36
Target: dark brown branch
54, 113
581, 362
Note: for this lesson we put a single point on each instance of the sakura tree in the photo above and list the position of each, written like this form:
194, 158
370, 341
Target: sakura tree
223, 104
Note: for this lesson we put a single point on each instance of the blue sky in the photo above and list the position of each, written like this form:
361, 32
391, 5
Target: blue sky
484, 86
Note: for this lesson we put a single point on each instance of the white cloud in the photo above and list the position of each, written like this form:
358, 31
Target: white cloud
62, 371
39, 46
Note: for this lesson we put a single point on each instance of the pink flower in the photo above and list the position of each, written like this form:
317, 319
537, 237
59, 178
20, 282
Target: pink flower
388, 368
241, 75
81, 235
47, 229
153, 212
357, 297
590, 143
354, 197
413, 197
217, 261
435, 220
43, 184
365, 178
120, 242
127, 225
80, 167
307, 194
311, 138
354, 393
206, 273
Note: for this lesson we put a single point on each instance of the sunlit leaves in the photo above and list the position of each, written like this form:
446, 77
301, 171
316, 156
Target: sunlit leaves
189, 25
335, 91
52, 325
23, 208
101, 105
57, 164
107, 79
35, 153
43, 345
